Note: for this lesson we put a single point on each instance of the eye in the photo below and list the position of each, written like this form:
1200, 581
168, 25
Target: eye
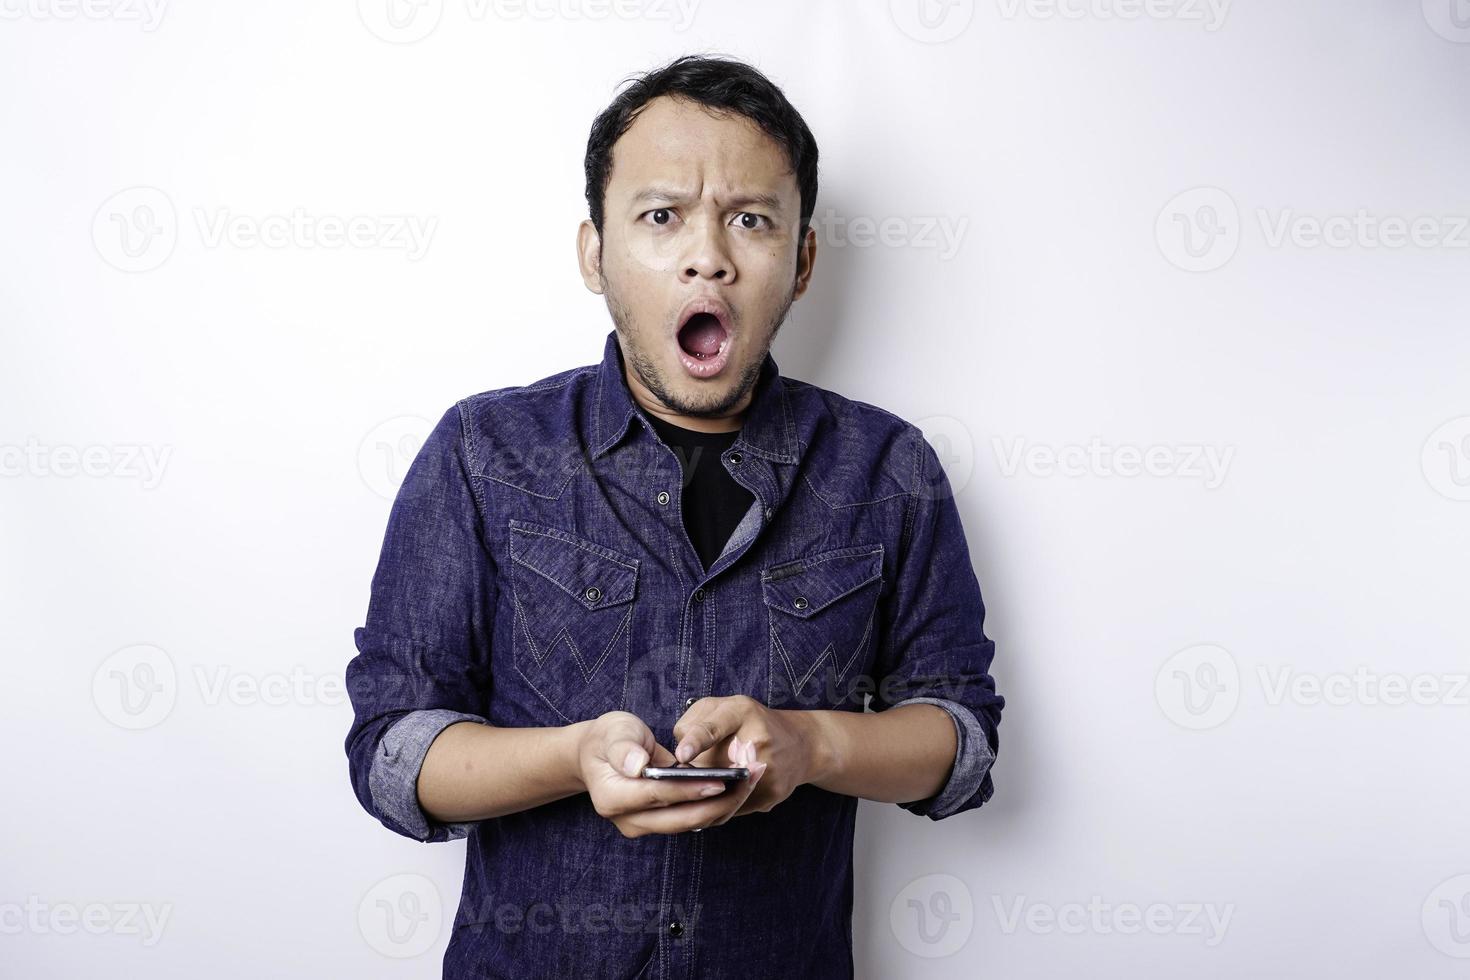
753, 222
661, 216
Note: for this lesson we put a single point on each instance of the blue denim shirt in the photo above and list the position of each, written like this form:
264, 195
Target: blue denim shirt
536, 572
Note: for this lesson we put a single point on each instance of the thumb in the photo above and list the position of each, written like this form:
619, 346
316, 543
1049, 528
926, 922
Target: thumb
628, 757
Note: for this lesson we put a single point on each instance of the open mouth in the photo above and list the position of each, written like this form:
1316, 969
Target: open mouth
703, 336
704, 343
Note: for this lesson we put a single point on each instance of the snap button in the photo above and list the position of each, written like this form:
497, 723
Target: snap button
676, 928
663, 497
735, 457
799, 602
689, 702
768, 513
593, 593
699, 595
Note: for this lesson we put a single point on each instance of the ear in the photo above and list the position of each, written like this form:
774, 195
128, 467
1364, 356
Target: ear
806, 259
589, 256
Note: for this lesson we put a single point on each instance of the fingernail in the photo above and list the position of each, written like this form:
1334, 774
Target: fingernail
633, 764
756, 772
735, 754
683, 752
711, 790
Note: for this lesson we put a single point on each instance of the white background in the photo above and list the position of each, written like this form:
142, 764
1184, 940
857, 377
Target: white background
1145, 624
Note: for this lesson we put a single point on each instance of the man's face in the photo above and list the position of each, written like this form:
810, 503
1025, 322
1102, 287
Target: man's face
699, 259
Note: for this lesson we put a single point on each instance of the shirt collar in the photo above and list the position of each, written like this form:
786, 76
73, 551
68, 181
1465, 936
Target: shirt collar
768, 430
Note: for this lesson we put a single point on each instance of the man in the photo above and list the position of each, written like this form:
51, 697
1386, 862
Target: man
673, 556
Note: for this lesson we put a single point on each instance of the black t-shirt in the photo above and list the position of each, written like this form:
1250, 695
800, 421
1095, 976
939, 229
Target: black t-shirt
713, 503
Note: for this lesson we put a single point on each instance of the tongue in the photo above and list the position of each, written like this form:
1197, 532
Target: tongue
702, 335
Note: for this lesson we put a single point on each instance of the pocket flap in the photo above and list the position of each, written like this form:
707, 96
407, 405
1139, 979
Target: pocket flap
593, 575
808, 585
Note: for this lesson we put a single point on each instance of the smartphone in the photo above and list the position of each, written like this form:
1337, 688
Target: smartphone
686, 771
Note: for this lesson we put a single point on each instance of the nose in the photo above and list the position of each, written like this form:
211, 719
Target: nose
708, 257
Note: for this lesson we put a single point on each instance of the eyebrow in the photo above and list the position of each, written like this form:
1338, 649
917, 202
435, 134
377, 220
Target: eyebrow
769, 201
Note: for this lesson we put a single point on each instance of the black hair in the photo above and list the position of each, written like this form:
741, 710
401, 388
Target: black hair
719, 83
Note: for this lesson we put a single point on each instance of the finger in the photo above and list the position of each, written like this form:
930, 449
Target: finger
698, 815
746, 756
757, 769
683, 817
650, 795
628, 744
752, 802
746, 795
717, 755
704, 725
622, 793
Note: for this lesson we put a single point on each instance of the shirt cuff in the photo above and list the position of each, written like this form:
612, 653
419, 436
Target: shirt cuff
394, 777
973, 758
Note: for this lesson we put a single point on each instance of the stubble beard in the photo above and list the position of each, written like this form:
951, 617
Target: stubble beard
652, 377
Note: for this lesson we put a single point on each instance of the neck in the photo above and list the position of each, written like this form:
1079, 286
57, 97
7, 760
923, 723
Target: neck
646, 400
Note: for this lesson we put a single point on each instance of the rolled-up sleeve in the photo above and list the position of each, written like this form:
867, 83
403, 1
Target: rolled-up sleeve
423, 660
933, 649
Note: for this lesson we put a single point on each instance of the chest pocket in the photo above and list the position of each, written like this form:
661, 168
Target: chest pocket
822, 610
574, 603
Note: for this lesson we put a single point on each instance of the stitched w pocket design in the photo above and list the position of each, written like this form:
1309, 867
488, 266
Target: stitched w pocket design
822, 610
574, 602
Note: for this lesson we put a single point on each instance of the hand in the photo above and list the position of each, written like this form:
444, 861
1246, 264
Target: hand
611, 754
742, 728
